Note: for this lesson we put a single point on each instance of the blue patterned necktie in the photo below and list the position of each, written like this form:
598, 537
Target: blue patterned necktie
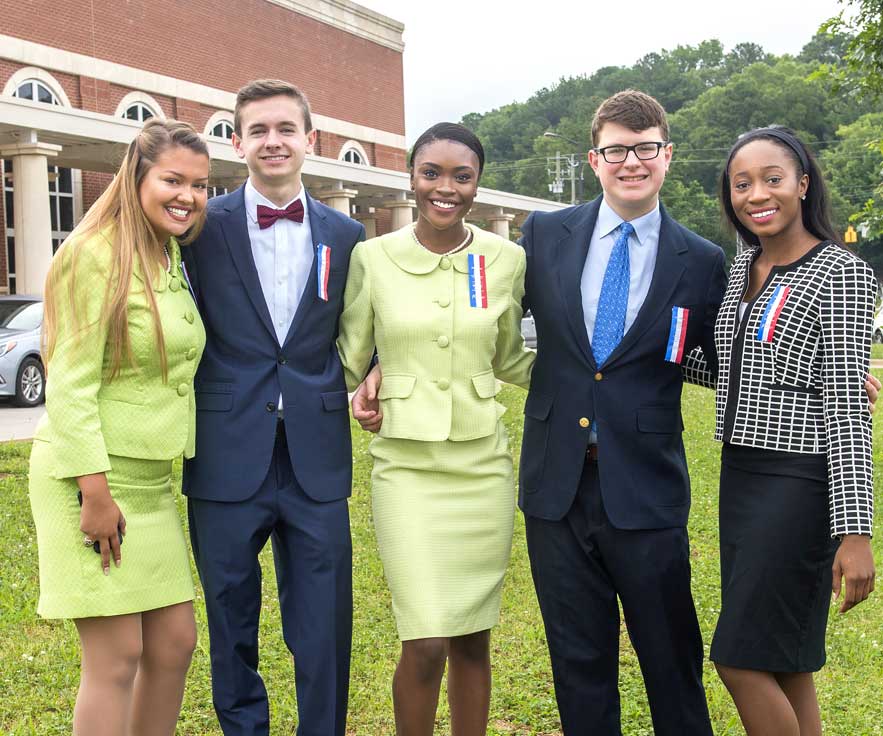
614, 299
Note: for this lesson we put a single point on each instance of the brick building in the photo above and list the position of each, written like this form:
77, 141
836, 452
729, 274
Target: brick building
78, 78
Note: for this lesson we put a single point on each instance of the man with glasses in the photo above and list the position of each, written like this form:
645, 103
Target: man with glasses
620, 293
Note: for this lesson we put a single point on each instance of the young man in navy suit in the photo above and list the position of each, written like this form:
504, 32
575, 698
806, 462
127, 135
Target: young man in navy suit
273, 456
603, 483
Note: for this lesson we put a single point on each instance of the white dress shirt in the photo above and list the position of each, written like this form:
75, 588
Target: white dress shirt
643, 247
283, 257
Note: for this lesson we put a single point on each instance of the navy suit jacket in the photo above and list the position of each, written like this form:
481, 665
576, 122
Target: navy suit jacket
635, 397
244, 368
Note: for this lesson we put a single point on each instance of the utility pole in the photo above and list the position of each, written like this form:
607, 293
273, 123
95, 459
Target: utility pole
556, 186
553, 168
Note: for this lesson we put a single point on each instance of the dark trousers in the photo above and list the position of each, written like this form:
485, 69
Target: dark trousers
580, 565
312, 553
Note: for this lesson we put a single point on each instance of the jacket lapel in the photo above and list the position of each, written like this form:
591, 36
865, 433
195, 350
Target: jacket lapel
570, 257
235, 230
666, 273
320, 233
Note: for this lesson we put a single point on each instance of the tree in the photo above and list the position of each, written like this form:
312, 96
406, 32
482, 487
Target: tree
862, 67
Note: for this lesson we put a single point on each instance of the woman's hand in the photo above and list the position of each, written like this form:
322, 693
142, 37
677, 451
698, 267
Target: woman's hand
365, 404
854, 561
872, 389
100, 518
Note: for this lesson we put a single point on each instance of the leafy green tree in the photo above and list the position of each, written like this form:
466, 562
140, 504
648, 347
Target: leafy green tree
861, 70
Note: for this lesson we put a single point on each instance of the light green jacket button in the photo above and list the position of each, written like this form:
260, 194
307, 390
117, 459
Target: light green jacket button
444, 263
189, 317
444, 302
444, 384
191, 354
443, 341
182, 389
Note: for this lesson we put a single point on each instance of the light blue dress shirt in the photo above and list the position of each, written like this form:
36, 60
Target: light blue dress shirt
643, 247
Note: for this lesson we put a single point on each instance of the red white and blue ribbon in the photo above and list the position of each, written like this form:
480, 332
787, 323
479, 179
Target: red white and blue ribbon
677, 334
772, 312
477, 282
323, 255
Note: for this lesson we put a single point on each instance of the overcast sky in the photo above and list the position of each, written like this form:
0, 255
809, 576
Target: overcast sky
474, 56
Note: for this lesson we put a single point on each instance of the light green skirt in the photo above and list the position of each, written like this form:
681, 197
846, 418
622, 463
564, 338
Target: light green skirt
155, 569
443, 514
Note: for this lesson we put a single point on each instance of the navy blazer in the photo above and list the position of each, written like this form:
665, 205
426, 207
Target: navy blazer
244, 368
636, 396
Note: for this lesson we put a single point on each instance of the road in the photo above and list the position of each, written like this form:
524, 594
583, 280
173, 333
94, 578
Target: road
16, 423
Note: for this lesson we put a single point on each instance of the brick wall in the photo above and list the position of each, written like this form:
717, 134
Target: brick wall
207, 42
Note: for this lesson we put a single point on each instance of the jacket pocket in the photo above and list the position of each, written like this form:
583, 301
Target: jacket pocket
485, 384
659, 420
537, 405
334, 400
397, 386
793, 389
213, 401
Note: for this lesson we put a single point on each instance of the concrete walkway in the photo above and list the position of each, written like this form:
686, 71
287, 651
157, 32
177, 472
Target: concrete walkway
18, 424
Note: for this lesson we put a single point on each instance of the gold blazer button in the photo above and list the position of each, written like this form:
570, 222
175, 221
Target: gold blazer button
583, 422
599, 376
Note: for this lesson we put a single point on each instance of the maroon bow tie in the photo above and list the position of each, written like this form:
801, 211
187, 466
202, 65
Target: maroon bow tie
268, 215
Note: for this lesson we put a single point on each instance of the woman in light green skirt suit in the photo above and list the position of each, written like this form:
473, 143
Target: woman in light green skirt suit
441, 300
122, 339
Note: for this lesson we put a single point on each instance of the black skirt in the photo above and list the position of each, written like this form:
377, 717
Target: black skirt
776, 554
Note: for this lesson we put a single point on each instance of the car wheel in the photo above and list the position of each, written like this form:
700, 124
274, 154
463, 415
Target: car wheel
878, 337
30, 386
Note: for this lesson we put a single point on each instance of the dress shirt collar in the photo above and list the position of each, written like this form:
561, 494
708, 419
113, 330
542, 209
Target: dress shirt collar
644, 225
253, 198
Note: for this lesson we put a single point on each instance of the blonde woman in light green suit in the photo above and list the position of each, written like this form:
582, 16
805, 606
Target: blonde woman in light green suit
442, 303
122, 339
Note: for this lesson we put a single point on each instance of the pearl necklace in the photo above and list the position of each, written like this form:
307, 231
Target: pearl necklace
165, 250
455, 249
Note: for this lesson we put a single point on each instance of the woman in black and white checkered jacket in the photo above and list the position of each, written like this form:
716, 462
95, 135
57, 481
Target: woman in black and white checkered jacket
793, 340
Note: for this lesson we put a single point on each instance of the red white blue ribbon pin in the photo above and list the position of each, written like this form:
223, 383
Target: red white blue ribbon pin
323, 254
477, 282
772, 312
677, 334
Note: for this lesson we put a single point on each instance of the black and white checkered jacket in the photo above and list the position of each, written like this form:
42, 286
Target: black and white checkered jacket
792, 372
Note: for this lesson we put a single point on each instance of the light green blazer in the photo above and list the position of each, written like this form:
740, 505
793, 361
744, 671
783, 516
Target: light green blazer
440, 355
136, 415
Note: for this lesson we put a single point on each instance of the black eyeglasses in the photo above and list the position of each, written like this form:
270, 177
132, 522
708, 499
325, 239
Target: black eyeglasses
644, 151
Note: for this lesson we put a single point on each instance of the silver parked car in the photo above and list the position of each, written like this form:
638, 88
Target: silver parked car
529, 330
21, 368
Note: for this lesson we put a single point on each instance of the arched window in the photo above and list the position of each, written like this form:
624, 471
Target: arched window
223, 129
61, 184
353, 152
34, 89
138, 106
138, 111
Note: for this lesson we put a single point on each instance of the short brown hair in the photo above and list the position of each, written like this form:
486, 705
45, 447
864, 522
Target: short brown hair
261, 89
632, 109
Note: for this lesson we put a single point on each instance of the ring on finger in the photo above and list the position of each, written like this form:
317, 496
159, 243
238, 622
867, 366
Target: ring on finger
87, 541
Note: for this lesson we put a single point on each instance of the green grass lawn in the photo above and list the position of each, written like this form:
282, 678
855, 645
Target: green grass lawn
39, 659
876, 352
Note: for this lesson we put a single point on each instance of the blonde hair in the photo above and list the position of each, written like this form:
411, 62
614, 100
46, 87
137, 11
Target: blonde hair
131, 237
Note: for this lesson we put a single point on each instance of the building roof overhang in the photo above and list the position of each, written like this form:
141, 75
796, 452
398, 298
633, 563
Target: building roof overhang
95, 142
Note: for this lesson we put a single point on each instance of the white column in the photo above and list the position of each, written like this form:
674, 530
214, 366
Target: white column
368, 218
402, 210
499, 222
32, 222
339, 198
